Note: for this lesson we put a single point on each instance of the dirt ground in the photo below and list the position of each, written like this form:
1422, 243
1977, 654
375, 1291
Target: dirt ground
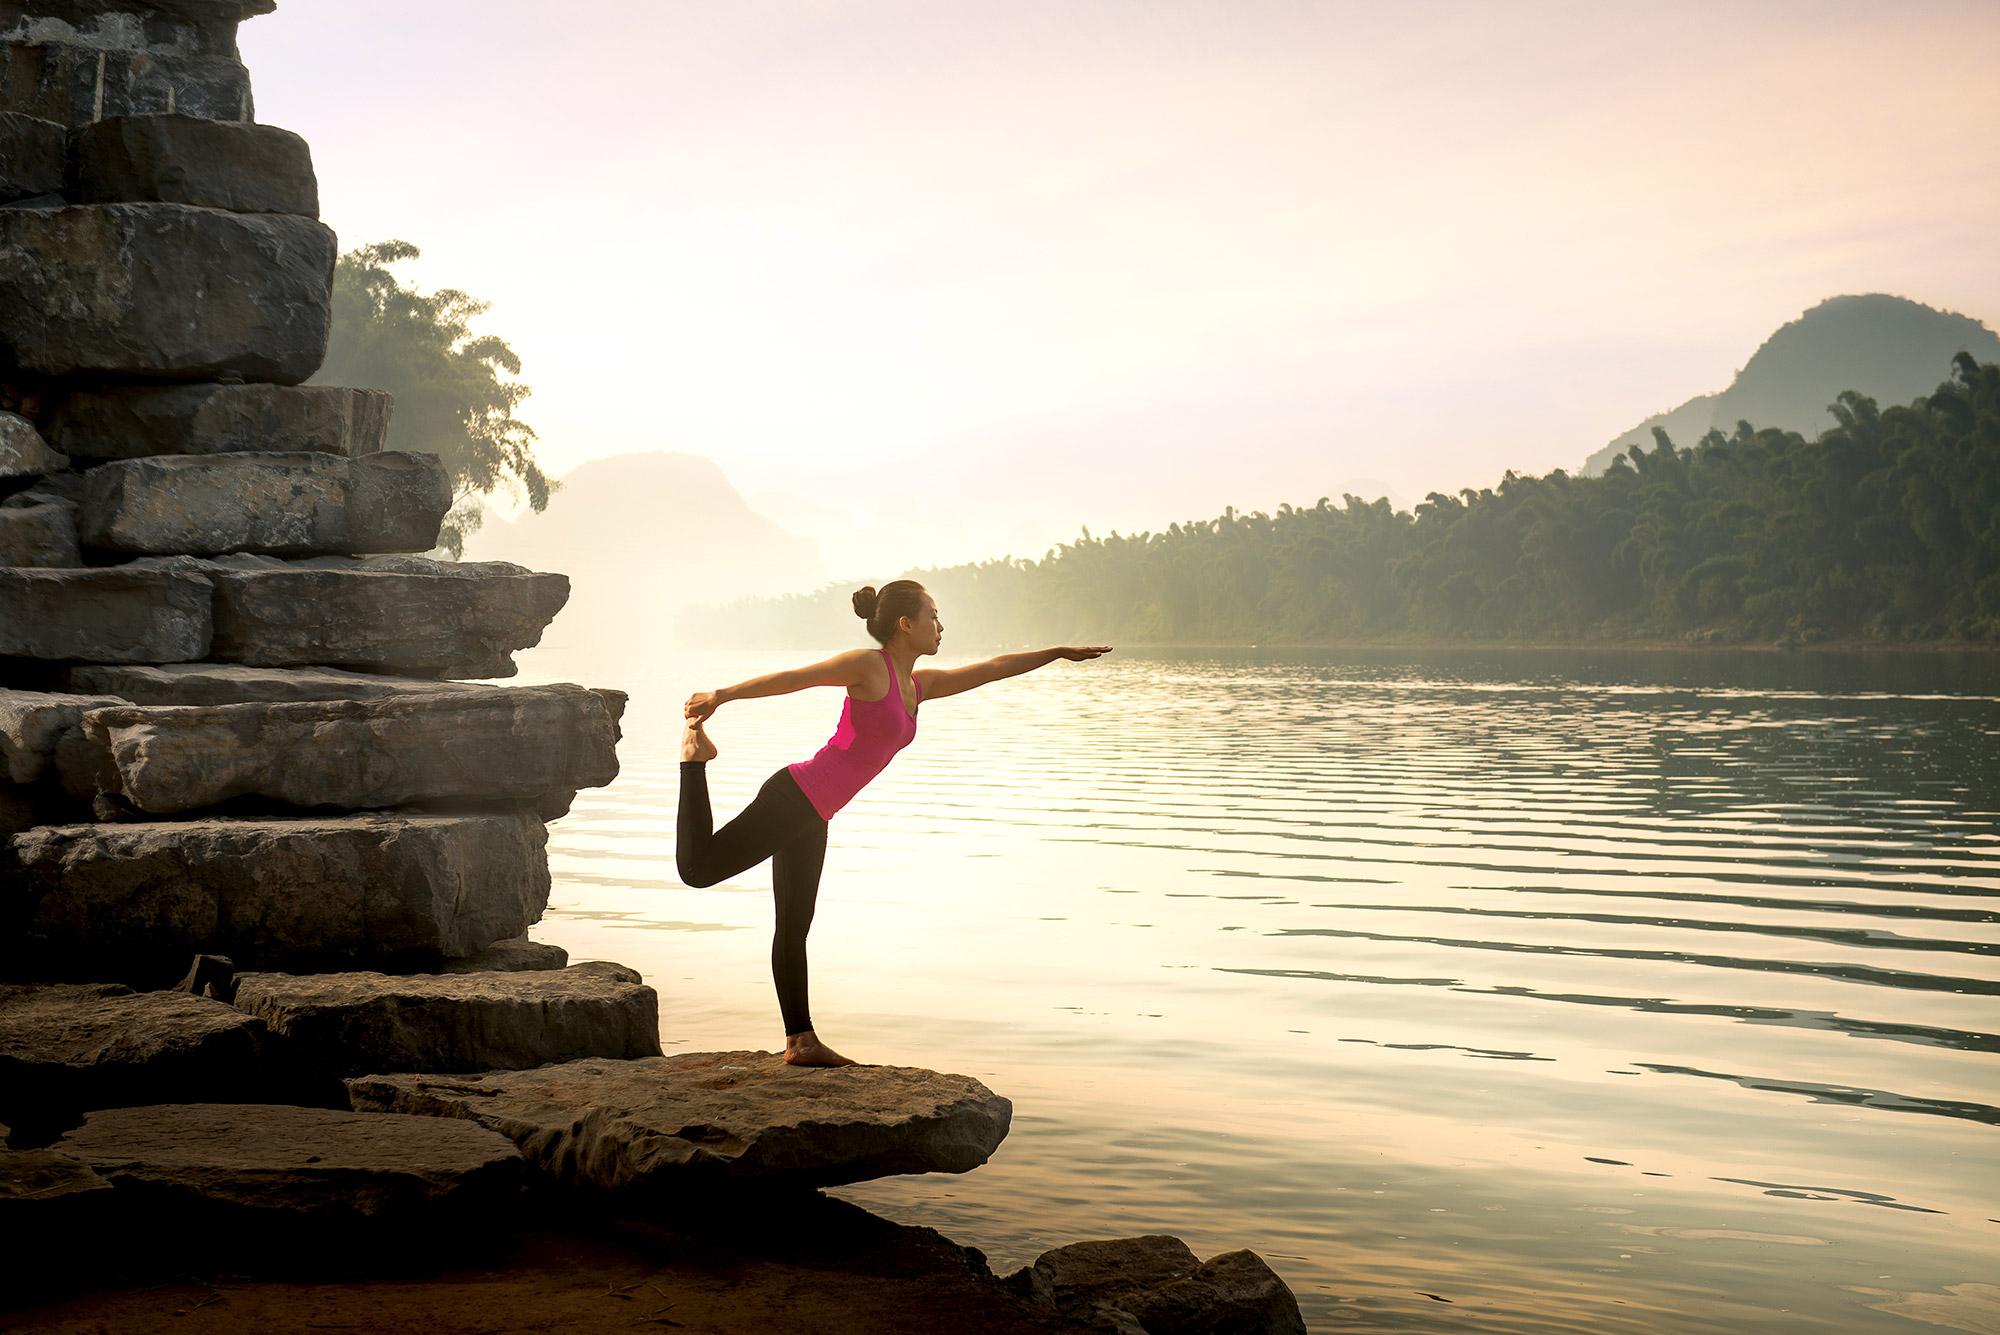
815, 1265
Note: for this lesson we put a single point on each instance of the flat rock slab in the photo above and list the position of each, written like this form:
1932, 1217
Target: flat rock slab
233, 683
1153, 1285
295, 504
287, 1163
702, 1120
43, 536
165, 291
514, 955
32, 155
33, 724
83, 63
139, 421
67, 1047
535, 744
356, 1023
174, 159
371, 891
113, 614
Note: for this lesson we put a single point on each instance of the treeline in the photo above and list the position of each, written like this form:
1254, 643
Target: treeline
1886, 528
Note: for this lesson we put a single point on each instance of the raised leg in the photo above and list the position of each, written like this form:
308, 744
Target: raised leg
705, 855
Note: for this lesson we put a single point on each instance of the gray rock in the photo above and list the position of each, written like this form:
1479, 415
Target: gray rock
514, 955
178, 159
534, 744
286, 1164
296, 504
165, 291
58, 488
43, 536
31, 156
32, 726
23, 452
372, 891
360, 1023
1152, 1285
698, 1120
397, 614
233, 683
76, 62
109, 615
94, 1045
135, 421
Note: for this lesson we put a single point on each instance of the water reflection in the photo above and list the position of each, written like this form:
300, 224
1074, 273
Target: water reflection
1509, 1075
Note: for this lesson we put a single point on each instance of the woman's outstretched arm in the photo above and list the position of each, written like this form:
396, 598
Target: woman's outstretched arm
956, 681
843, 669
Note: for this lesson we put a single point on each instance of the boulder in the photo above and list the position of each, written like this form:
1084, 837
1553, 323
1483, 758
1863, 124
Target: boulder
511, 956
179, 159
31, 156
76, 61
281, 1165
33, 725
131, 422
165, 291
23, 452
374, 891
57, 488
64, 1048
533, 744
713, 1120
297, 504
1153, 1285
110, 615
42, 536
396, 614
355, 1023
233, 683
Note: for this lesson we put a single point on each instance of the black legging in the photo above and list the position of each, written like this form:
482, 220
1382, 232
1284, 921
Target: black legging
781, 824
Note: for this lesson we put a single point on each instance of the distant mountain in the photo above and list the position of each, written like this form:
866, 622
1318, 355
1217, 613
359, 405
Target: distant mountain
642, 538
1889, 348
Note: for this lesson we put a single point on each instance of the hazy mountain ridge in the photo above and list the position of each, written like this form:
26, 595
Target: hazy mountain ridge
1890, 348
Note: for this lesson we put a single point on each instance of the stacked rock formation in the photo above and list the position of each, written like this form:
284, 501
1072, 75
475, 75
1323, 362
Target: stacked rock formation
236, 727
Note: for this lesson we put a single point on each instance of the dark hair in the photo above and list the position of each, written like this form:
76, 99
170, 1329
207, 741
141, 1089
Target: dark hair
883, 608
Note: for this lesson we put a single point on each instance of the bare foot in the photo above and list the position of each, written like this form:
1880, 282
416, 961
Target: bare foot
695, 744
806, 1050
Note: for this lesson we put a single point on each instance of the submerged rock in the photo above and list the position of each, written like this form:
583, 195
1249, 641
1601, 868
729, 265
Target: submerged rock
1153, 1285
702, 1120
135, 901
353, 1023
138, 421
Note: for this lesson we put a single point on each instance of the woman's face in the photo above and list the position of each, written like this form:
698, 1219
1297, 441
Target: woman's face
926, 629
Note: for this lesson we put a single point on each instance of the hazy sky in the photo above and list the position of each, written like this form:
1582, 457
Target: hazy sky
940, 280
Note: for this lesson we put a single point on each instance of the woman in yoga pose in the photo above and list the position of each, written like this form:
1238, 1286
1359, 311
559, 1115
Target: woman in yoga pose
787, 820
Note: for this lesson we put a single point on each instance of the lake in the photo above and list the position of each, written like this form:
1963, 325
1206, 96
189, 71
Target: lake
1475, 991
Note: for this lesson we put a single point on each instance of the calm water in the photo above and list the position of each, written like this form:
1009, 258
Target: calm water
1476, 993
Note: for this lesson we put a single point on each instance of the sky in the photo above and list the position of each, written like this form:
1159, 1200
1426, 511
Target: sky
947, 280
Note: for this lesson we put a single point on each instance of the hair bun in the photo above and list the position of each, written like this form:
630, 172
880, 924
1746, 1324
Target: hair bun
864, 601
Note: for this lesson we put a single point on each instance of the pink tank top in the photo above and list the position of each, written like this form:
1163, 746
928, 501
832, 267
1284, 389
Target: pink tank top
869, 735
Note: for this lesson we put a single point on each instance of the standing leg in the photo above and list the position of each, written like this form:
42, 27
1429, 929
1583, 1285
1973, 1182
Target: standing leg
795, 881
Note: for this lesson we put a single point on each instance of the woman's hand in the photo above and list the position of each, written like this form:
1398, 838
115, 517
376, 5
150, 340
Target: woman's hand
703, 703
1077, 654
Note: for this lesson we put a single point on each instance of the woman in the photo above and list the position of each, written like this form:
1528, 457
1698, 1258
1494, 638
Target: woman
787, 820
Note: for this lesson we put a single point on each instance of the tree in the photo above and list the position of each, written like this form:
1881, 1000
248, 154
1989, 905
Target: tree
456, 391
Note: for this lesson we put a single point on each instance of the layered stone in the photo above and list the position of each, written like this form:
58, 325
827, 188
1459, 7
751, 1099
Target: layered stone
135, 421
531, 744
357, 1023
42, 536
108, 615
179, 159
293, 504
165, 291
376, 891
395, 614
32, 154
34, 724
69, 1047
23, 452
233, 683
286, 1164
515, 955
76, 63
703, 1120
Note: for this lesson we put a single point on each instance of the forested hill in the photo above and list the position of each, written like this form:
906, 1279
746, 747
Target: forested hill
1884, 528
1889, 348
